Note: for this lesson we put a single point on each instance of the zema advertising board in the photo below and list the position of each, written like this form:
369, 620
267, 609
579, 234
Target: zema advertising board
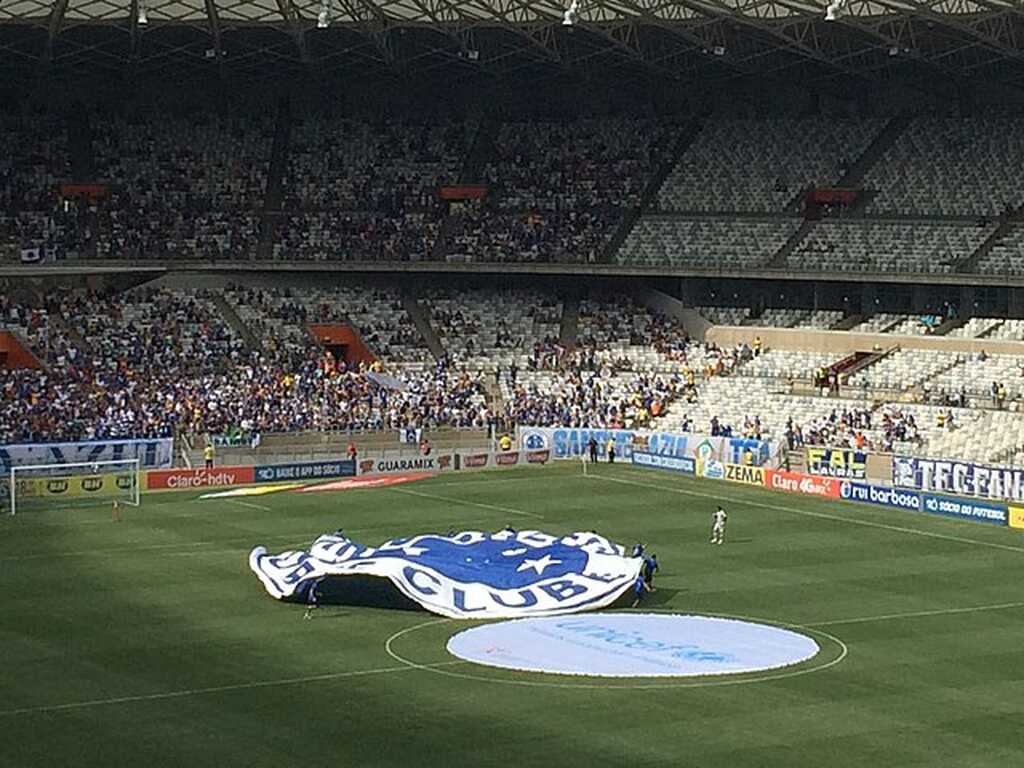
965, 509
881, 495
738, 473
797, 482
184, 479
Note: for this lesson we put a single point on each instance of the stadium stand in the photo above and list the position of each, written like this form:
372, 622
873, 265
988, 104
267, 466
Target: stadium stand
725, 242
185, 185
1006, 256
889, 246
761, 165
951, 166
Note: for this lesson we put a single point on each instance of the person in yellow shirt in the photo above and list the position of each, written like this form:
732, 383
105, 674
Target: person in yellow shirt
505, 443
610, 448
208, 454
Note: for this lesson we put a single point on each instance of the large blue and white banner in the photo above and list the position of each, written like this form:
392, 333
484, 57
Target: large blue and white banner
570, 442
157, 453
961, 478
468, 575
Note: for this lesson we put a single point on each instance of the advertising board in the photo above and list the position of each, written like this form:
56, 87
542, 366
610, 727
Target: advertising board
881, 495
307, 470
797, 482
737, 473
683, 464
185, 479
964, 509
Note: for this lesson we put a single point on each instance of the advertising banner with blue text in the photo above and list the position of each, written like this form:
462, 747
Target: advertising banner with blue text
683, 464
157, 453
960, 478
881, 495
573, 442
307, 470
965, 509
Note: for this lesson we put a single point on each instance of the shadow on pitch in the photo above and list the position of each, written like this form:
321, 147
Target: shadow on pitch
360, 592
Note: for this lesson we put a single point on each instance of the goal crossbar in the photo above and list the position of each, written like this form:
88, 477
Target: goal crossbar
85, 480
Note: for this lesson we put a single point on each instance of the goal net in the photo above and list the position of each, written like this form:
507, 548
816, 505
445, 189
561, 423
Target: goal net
85, 484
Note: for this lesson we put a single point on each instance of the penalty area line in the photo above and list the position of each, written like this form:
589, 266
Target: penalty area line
913, 615
808, 513
88, 704
467, 502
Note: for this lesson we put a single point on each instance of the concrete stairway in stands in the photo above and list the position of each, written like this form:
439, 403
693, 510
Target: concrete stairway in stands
273, 198
686, 137
421, 319
876, 149
970, 262
569, 325
481, 152
235, 322
80, 148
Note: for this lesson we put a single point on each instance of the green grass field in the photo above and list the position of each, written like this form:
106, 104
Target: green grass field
149, 642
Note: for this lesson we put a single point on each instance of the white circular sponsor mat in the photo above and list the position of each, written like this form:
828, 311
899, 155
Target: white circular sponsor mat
632, 645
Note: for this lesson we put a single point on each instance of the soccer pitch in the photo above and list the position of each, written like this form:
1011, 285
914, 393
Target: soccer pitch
150, 642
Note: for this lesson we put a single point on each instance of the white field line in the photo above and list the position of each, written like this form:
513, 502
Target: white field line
192, 545
912, 615
486, 478
249, 504
822, 515
465, 502
180, 694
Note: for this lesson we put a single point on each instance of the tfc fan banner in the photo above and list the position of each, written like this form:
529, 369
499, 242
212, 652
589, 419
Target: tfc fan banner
960, 478
797, 482
186, 479
837, 462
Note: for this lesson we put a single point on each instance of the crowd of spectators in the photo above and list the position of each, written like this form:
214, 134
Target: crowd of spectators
184, 183
557, 190
160, 362
859, 428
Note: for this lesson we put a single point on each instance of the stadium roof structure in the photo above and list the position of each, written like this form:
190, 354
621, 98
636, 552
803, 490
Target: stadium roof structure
677, 39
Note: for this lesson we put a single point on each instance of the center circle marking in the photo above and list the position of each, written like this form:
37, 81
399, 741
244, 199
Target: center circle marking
633, 645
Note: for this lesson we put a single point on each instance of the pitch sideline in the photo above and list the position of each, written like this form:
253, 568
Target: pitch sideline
808, 513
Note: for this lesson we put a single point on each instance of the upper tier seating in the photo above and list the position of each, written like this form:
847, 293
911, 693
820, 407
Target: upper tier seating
711, 243
761, 165
888, 246
951, 167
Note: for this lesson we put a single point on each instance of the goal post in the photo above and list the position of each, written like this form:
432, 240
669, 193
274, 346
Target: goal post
83, 484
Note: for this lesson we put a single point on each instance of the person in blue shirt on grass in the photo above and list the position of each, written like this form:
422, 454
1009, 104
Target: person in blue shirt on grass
640, 587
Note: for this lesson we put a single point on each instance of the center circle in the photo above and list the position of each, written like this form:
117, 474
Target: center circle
632, 645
